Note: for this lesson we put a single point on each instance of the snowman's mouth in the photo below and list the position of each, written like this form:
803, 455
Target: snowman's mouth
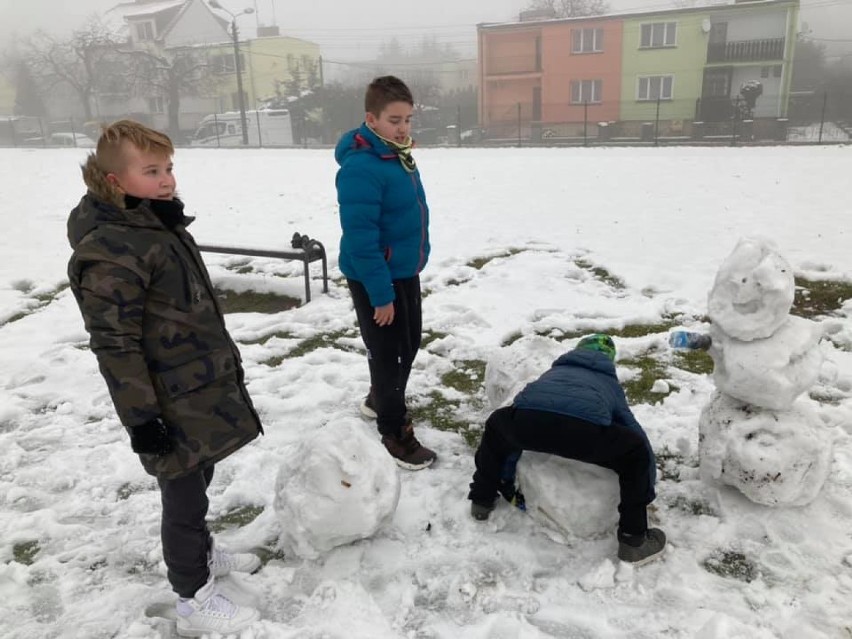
746, 308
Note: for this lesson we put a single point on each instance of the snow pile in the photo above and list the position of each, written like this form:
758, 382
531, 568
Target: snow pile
755, 434
334, 487
509, 369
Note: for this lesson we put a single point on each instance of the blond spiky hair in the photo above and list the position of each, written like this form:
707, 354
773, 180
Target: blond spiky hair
110, 150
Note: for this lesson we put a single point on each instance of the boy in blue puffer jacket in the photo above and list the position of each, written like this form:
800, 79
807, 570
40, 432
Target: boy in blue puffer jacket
384, 246
578, 410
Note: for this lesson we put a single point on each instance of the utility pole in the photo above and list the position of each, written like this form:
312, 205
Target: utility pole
241, 98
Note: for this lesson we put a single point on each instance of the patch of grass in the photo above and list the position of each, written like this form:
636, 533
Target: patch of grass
600, 273
670, 463
442, 413
236, 518
692, 505
267, 554
266, 338
24, 553
815, 298
479, 262
126, 490
467, 377
254, 302
47, 297
732, 565
430, 336
827, 396
638, 389
514, 337
321, 340
698, 362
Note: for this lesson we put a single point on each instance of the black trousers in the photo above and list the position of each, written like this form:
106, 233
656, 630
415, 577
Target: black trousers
391, 350
509, 431
186, 539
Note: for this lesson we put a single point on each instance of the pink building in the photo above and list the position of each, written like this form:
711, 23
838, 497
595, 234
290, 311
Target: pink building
549, 75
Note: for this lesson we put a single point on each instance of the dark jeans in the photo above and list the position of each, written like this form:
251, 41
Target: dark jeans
391, 350
186, 539
509, 431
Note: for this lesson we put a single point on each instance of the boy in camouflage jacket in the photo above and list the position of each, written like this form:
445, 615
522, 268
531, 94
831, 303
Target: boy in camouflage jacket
172, 370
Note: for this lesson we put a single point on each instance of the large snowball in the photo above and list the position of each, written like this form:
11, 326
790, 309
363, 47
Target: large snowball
770, 372
753, 291
509, 369
333, 488
775, 458
573, 498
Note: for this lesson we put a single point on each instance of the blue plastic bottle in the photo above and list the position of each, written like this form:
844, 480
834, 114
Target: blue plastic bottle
689, 340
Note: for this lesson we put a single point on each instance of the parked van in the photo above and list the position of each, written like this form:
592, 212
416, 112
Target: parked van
266, 127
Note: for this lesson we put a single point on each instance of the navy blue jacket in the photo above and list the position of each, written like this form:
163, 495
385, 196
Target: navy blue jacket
582, 384
383, 214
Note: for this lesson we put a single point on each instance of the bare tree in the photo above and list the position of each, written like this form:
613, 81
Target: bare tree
171, 75
78, 61
570, 8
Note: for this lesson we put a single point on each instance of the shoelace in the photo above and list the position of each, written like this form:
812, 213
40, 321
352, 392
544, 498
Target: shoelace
220, 605
221, 559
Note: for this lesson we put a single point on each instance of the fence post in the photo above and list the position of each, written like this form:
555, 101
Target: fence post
585, 122
657, 122
216, 124
41, 127
458, 125
734, 121
259, 135
822, 117
73, 130
519, 124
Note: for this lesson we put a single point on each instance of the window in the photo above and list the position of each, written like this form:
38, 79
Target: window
655, 87
156, 104
659, 34
586, 91
144, 31
224, 63
586, 40
764, 72
776, 71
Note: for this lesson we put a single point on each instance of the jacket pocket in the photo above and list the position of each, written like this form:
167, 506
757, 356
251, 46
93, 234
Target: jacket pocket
197, 373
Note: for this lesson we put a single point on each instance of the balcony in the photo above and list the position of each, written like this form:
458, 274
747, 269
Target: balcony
513, 66
746, 51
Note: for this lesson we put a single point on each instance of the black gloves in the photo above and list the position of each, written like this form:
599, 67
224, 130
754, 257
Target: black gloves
151, 438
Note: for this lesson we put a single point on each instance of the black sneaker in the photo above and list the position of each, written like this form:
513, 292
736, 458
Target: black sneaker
407, 451
480, 512
640, 549
368, 410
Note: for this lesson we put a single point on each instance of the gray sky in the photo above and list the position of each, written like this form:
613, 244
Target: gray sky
352, 29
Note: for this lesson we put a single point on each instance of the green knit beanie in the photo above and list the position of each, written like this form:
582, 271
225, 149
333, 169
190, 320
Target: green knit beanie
600, 342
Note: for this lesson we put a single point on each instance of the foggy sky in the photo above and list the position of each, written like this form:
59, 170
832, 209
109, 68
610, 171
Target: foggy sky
353, 29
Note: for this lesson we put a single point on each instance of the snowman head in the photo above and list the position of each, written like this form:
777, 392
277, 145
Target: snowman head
753, 291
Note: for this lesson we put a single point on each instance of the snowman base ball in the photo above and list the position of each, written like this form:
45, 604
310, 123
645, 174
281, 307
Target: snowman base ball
572, 498
334, 487
775, 458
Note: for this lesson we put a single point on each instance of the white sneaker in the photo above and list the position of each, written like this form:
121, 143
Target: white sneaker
211, 611
367, 409
222, 562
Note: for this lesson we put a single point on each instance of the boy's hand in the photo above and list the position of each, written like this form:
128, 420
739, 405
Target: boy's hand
384, 314
151, 438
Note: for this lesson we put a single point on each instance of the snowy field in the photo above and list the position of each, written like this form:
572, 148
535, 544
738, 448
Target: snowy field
525, 242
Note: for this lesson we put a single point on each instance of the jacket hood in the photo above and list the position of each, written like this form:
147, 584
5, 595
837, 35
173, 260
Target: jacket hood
104, 204
592, 360
360, 140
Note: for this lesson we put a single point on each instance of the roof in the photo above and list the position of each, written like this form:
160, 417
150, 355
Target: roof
165, 14
713, 8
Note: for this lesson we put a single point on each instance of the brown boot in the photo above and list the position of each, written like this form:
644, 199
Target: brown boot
407, 451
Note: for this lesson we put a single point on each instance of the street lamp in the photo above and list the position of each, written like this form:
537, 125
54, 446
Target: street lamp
235, 36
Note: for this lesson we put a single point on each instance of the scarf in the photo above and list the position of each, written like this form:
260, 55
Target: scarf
403, 151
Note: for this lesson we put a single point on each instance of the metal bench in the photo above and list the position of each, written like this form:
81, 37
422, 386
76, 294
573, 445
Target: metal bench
302, 248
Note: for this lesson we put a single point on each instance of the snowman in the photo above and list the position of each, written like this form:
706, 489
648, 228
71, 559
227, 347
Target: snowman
759, 432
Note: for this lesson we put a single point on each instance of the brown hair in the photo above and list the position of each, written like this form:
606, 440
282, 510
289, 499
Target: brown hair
384, 90
110, 151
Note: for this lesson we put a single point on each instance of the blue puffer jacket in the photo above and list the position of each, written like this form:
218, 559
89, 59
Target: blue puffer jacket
383, 214
582, 384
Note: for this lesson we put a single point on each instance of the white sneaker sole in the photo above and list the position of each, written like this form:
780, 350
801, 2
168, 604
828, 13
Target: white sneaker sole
366, 411
408, 466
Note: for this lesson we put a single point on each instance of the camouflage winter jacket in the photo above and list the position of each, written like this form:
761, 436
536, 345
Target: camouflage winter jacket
156, 328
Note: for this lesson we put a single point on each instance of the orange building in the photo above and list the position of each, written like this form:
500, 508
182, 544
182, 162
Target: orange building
553, 75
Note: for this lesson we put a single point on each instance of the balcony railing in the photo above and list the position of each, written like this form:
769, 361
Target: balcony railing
746, 51
513, 65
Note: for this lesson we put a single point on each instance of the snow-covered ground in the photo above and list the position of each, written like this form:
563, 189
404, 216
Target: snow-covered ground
79, 541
